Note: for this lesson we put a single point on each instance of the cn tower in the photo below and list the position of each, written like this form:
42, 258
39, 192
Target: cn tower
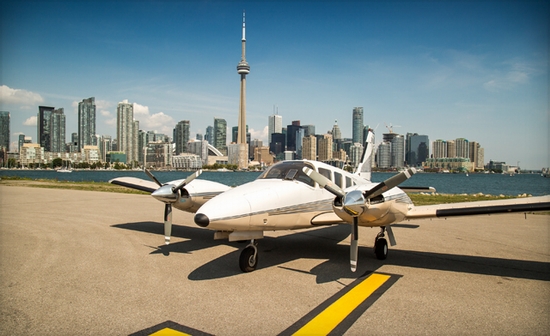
243, 69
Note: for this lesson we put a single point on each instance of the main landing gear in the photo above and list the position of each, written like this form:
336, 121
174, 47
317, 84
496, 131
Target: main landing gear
248, 261
381, 245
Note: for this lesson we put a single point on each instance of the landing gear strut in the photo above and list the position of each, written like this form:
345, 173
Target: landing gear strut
381, 245
249, 257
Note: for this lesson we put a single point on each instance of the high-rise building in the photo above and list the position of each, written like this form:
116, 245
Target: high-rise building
220, 135
357, 125
127, 131
86, 122
209, 136
325, 148
291, 135
398, 151
309, 147
299, 137
275, 125
476, 155
105, 146
451, 149
5, 131
336, 133
278, 143
308, 130
417, 149
439, 149
243, 69
44, 127
57, 138
181, 136
383, 155
356, 151
462, 148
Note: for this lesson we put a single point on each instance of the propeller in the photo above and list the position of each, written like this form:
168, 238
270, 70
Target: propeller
355, 201
169, 194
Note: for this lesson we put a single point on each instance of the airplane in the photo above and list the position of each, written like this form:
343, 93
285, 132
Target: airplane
301, 194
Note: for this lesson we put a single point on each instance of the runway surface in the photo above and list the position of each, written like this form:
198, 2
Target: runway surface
90, 263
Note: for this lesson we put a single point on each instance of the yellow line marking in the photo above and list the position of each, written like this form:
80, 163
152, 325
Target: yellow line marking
169, 332
329, 318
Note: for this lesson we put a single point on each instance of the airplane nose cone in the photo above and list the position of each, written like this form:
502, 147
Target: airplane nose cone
202, 220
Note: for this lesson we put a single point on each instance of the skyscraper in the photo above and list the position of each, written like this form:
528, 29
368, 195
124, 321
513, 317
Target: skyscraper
57, 143
4, 131
209, 136
275, 125
127, 131
309, 148
417, 149
86, 122
44, 128
291, 135
462, 148
181, 136
357, 125
243, 69
336, 133
220, 135
325, 148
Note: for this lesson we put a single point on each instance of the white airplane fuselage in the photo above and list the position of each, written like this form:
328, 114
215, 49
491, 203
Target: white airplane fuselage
289, 200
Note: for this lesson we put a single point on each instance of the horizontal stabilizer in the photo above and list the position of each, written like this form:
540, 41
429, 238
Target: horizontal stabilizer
135, 183
417, 189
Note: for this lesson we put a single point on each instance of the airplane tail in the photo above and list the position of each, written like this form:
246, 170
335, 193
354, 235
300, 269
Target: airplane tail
364, 167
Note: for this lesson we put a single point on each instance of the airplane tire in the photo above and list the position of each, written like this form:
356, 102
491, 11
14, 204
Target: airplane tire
247, 261
381, 249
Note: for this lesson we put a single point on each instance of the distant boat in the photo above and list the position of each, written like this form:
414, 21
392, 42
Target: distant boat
65, 169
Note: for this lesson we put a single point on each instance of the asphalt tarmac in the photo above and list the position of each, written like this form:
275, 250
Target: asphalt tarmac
91, 263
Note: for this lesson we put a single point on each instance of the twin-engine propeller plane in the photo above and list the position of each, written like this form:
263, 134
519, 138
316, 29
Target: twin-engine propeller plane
304, 194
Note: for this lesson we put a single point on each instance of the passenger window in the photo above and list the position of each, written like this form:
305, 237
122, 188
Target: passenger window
326, 173
338, 179
348, 182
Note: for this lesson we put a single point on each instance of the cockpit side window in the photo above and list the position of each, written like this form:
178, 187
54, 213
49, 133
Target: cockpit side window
289, 170
338, 180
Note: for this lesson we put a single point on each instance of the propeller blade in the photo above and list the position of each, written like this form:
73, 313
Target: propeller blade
152, 177
187, 180
167, 223
354, 246
323, 182
392, 182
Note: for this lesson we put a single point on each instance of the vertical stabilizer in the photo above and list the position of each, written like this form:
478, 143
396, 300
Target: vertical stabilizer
365, 166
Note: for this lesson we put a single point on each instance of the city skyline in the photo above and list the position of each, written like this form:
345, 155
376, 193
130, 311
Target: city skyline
448, 70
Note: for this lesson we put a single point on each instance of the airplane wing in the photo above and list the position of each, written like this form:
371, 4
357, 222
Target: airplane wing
326, 218
529, 204
135, 183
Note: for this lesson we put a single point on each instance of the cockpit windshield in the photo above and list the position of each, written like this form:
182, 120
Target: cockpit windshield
289, 170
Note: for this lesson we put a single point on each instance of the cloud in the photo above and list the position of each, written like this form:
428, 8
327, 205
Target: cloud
259, 134
105, 113
31, 121
19, 97
159, 122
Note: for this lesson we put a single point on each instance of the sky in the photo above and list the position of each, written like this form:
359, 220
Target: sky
447, 69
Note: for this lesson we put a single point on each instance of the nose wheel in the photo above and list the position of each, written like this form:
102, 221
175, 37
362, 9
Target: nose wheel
248, 261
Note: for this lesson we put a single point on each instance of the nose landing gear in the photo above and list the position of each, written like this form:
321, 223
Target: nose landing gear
248, 261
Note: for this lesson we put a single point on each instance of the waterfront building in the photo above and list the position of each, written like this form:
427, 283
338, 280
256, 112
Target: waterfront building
31, 154
105, 146
309, 148
44, 128
462, 148
181, 136
220, 135
357, 125
477, 156
57, 123
127, 131
200, 148
86, 122
439, 149
451, 149
187, 161
325, 148
457, 164
383, 155
5, 131
417, 149
158, 154
275, 125
398, 151
90, 154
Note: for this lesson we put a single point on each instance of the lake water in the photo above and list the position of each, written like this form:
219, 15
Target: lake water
494, 184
